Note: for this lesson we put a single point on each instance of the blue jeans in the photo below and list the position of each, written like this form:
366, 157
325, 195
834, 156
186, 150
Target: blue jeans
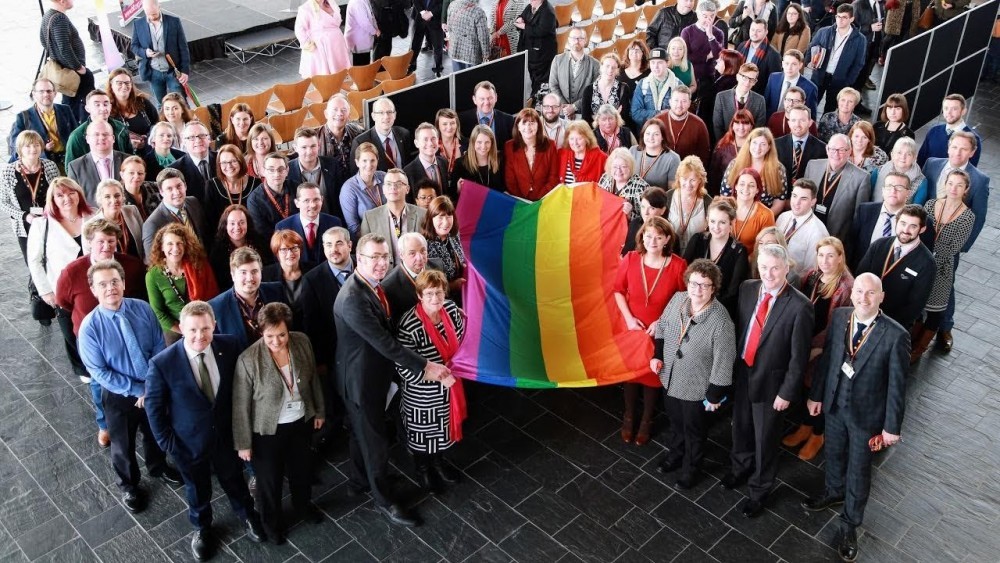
163, 82
95, 394
458, 65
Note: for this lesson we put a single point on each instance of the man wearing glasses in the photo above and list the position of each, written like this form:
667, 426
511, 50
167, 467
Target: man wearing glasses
198, 165
742, 96
554, 125
396, 217
877, 219
838, 55
394, 144
273, 200
573, 71
801, 145
54, 122
842, 188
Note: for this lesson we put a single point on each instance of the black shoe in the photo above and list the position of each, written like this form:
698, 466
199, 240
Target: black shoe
45, 322
427, 478
255, 531
862, 110
444, 471
731, 480
687, 481
355, 491
816, 504
398, 515
278, 539
171, 476
668, 465
752, 508
848, 547
201, 545
311, 514
134, 501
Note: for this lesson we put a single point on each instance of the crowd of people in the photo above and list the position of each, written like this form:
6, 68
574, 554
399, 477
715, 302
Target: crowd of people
235, 301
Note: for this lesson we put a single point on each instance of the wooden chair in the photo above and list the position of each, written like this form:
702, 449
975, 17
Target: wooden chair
562, 37
606, 28
564, 14
641, 36
257, 102
598, 52
629, 19
326, 85
608, 7
649, 12
318, 110
621, 46
357, 99
389, 86
285, 124
395, 66
589, 29
586, 9
292, 96
201, 113
363, 77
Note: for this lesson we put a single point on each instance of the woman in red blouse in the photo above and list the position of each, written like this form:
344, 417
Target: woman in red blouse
581, 160
529, 158
647, 278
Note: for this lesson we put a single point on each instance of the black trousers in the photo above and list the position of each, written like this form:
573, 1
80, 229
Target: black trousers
361, 59
124, 419
369, 446
871, 55
435, 35
383, 47
756, 440
686, 434
228, 469
65, 320
848, 464
286, 453
831, 88
77, 102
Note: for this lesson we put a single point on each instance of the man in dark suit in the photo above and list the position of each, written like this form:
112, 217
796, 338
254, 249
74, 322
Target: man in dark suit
484, 95
99, 111
101, 163
236, 308
326, 173
758, 51
154, 37
43, 93
189, 402
842, 188
198, 165
429, 164
905, 266
272, 201
775, 328
176, 206
849, 46
740, 97
877, 219
400, 283
367, 353
790, 75
860, 383
799, 147
427, 23
953, 111
394, 144
310, 223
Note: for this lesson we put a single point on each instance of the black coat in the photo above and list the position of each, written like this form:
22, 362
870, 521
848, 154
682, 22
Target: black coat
907, 286
319, 291
785, 145
403, 140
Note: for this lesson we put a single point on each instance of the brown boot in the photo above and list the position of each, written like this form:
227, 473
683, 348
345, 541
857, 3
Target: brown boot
920, 344
812, 447
800, 435
628, 428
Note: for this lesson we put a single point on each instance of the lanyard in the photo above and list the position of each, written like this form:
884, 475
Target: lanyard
745, 221
886, 268
675, 137
284, 212
852, 352
830, 184
227, 188
790, 234
685, 221
645, 288
686, 325
451, 155
247, 312
33, 186
290, 381
643, 170
373, 192
173, 286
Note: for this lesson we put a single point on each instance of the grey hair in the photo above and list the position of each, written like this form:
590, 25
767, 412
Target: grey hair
707, 6
773, 250
906, 143
406, 237
109, 182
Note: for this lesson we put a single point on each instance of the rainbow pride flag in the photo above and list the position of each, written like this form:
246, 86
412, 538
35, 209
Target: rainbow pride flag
539, 292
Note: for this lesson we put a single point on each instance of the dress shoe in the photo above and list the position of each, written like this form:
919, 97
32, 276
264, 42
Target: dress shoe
687, 481
848, 547
201, 545
171, 476
812, 447
796, 438
869, 85
255, 531
752, 508
444, 471
398, 515
103, 439
668, 465
311, 514
355, 491
815, 504
45, 322
731, 480
944, 340
134, 501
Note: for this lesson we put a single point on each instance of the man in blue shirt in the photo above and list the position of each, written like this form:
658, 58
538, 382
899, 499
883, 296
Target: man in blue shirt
116, 341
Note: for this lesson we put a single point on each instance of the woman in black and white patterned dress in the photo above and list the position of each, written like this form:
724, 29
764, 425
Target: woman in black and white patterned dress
432, 409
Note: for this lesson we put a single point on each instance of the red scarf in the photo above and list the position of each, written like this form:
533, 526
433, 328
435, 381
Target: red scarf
447, 345
200, 287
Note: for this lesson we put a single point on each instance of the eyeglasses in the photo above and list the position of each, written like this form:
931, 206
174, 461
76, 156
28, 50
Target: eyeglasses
289, 250
387, 112
425, 197
550, 107
897, 187
748, 78
121, 82
113, 283
700, 286
843, 17
200, 137
46, 91
832, 149
400, 184
376, 257
577, 38
227, 163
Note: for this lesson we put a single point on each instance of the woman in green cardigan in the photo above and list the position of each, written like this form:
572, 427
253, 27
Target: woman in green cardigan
178, 274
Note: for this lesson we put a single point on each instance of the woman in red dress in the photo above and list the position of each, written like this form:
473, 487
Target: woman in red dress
647, 278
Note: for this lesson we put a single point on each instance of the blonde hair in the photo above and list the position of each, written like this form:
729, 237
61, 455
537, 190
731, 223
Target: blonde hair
770, 175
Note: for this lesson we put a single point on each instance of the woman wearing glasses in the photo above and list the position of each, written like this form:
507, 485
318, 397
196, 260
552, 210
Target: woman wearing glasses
231, 185
286, 245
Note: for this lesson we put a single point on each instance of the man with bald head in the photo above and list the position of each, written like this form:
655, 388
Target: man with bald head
842, 188
339, 132
860, 385
395, 144
101, 163
153, 38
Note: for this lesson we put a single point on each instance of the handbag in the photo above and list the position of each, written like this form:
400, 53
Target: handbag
926, 20
66, 80
40, 310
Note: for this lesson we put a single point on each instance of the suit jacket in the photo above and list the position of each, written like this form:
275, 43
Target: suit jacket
562, 82
907, 286
153, 167
852, 57
174, 44
772, 93
814, 148
29, 119
770, 64
377, 221
403, 140
196, 184
416, 173
333, 178
878, 388
435, 7
853, 190
977, 199
503, 123
530, 182
186, 425
367, 351
725, 109
316, 297
312, 253
229, 320
133, 222
400, 291
84, 171
866, 218
162, 216
783, 349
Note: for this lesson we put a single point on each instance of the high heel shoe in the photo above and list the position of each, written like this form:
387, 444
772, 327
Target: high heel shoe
628, 428
642, 437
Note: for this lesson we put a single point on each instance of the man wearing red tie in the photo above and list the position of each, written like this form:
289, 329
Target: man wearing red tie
310, 222
774, 328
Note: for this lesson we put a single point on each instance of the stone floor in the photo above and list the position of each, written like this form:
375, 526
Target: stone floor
546, 476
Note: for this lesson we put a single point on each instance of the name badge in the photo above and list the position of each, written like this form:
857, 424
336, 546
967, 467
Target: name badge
820, 208
909, 271
848, 370
36, 211
293, 405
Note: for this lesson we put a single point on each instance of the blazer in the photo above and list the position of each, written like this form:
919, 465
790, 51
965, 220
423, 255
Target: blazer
60, 249
813, 148
725, 109
9, 205
258, 388
312, 253
84, 171
526, 182
907, 286
853, 190
733, 261
195, 182
866, 218
264, 214
333, 176
403, 140
852, 58
162, 216
936, 144
367, 351
229, 320
133, 222
977, 198
185, 424
590, 171
570, 88
772, 93
30, 119
153, 167
416, 173
76, 145
783, 349
878, 388
377, 221
174, 44
400, 292
316, 297
503, 123
767, 66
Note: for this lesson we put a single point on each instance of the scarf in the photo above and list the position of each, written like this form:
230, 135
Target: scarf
447, 345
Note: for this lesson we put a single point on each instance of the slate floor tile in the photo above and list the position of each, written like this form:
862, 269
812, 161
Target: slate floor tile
795, 545
591, 497
548, 511
529, 543
106, 526
590, 541
380, 537
132, 546
74, 551
46, 537
735, 546
691, 521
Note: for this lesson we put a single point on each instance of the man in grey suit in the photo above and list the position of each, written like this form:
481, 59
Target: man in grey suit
842, 188
177, 206
566, 82
101, 163
396, 217
860, 384
740, 97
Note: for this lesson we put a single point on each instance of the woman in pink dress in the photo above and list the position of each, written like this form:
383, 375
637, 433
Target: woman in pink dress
324, 49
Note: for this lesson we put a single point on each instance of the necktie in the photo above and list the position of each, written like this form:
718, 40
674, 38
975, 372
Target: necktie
784, 88
791, 228
750, 353
949, 131
887, 226
310, 234
182, 215
382, 299
743, 102
341, 276
388, 151
484, 120
105, 168
135, 355
204, 379
897, 253
203, 168
857, 336
432, 174
797, 154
